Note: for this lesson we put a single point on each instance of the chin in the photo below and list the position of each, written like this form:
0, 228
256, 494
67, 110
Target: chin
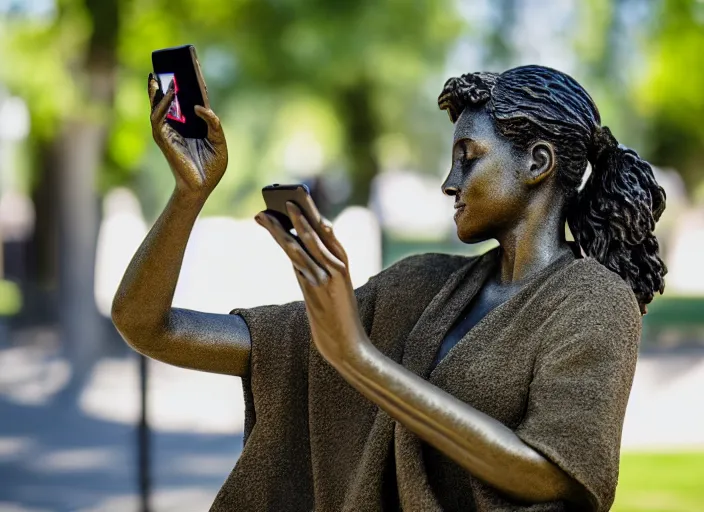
471, 236
471, 232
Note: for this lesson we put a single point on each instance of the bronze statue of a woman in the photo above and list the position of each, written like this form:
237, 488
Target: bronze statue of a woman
494, 382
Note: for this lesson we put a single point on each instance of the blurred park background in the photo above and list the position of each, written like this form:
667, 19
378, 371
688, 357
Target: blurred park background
338, 94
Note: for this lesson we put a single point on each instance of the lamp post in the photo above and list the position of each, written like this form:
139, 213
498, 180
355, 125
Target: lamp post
144, 439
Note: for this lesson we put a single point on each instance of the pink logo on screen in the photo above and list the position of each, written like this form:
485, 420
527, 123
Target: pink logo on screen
174, 112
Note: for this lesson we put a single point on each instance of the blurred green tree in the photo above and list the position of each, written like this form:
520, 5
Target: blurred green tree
361, 67
645, 68
366, 64
671, 93
65, 66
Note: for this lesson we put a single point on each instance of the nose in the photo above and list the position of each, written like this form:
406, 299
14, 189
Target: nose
450, 191
451, 185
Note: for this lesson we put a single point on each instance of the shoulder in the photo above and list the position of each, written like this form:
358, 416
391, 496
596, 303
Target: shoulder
431, 262
593, 301
591, 282
423, 268
416, 277
402, 291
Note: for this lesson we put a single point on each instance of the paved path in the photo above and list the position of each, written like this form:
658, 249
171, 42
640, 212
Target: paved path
78, 453
63, 454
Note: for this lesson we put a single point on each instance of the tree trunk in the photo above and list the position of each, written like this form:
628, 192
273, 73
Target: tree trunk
42, 265
361, 131
79, 153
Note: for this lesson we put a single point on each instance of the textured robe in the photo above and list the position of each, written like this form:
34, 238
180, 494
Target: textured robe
554, 363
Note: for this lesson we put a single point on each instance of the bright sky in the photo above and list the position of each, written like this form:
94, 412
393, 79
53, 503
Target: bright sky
38, 8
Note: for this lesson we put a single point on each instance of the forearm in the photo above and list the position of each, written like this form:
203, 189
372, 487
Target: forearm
142, 309
143, 299
482, 445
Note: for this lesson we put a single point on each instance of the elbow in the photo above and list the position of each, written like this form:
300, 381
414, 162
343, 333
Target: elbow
117, 312
548, 482
139, 335
120, 316
121, 320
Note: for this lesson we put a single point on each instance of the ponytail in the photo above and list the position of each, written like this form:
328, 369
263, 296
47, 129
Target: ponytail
614, 216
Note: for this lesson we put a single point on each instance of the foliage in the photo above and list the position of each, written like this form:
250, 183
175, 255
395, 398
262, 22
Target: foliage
670, 94
642, 62
263, 61
38, 59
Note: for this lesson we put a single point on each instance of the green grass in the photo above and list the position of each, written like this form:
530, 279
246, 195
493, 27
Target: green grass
10, 298
658, 482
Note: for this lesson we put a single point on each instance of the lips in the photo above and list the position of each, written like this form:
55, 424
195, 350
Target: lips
459, 208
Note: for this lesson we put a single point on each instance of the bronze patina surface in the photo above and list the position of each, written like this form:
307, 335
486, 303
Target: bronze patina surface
523, 142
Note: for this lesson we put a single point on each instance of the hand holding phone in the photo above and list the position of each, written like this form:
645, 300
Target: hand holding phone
276, 196
179, 67
183, 126
322, 270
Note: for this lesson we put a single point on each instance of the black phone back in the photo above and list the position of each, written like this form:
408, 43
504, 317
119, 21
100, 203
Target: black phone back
180, 65
276, 196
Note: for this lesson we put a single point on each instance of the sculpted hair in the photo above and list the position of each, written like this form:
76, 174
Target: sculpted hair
613, 216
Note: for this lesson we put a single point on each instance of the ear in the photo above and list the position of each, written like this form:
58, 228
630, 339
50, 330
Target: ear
541, 162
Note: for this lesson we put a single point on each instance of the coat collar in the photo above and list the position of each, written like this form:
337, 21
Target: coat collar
441, 314
424, 340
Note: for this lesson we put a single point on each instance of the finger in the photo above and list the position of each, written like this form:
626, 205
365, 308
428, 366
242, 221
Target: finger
332, 243
310, 287
167, 138
305, 278
327, 236
324, 231
162, 107
154, 91
311, 240
215, 133
300, 259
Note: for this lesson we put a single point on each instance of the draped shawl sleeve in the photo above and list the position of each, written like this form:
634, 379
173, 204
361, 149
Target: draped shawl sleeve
280, 342
581, 383
275, 465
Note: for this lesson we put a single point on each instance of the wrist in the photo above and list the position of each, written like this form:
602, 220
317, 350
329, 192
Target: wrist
357, 356
188, 199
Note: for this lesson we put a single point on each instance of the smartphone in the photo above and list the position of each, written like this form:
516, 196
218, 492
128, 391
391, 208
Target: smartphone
276, 196
180, 65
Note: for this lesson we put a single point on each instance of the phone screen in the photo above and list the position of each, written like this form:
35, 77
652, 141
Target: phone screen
175, 113
177, 65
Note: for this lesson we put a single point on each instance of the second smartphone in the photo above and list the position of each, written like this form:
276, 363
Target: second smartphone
180, 65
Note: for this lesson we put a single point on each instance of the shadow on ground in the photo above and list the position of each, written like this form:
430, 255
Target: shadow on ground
56, 457
53, 457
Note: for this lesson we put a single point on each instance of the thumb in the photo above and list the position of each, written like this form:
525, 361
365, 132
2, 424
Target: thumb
215, 133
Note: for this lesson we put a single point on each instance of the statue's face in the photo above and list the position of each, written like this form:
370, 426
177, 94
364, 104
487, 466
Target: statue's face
486, 179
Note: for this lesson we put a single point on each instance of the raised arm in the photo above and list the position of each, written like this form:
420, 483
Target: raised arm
142, 309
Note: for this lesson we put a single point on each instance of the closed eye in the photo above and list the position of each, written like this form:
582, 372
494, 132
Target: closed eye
463, 157
467, 162
465, 154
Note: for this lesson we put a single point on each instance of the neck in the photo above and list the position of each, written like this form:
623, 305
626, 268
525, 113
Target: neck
534, 243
